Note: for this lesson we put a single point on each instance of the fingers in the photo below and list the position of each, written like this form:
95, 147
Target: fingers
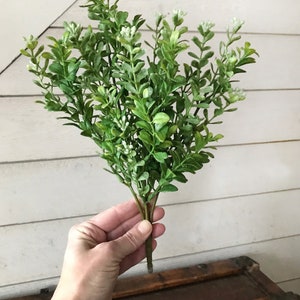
134, 258
158, 230
137, 256
116, 215
134, 252
86, 234
124, 215
132, 240
128, 224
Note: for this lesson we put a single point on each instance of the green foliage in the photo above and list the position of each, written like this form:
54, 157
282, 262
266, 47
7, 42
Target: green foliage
149, 114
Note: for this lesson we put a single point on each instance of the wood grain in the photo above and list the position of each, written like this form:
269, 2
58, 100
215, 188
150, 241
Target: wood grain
41, 136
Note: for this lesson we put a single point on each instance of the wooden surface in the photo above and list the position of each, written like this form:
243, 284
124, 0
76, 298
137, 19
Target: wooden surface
232, 279
239, 278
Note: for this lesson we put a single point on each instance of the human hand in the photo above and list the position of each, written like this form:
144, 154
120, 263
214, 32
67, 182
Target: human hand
100, 249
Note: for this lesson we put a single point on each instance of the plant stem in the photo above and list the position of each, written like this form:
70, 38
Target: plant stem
148, 244
146, 210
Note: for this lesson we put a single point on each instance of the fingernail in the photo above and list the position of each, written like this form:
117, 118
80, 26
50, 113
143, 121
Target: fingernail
144, 227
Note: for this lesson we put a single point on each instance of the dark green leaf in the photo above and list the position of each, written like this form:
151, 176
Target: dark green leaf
145, 137
169, 188
181, 178
144, 125
56, 67
193, 55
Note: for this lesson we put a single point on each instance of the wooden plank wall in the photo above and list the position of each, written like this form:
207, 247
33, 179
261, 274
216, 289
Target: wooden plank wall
246, 202
24, 21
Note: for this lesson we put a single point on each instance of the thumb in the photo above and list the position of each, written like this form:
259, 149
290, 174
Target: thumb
133, 239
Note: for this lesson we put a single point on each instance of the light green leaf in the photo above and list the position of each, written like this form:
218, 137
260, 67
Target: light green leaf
160, 156
199, 141
144, 176
161, 118
147, 92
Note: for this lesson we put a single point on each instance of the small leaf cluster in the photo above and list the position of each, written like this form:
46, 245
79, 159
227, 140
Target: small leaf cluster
149, 113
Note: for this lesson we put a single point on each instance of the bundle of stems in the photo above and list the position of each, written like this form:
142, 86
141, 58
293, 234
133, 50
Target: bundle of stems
149, 112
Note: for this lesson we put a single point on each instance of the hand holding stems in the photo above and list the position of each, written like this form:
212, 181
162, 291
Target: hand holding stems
103, 247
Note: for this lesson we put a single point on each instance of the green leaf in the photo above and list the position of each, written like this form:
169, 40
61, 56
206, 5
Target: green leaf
169, 188
39, 51
140, 163
47, 55
197, 42
192, 54
108, 146
181, 178
160, 156
145, 137
144, 176
161, 133
147, 92
161, 118
170, 175
121, 17
25, 53
53, 106
202, 105
218, 112
144, 125
56, 67
199, 142
140, 111
176, 157
129, 87
218, 137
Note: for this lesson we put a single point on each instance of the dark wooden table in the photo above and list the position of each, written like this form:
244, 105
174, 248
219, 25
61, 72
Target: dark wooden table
238, 278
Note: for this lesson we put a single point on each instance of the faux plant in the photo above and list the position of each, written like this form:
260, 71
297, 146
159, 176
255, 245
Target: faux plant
149, 113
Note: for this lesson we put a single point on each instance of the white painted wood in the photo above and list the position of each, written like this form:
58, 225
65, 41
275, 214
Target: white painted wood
263, 117
266, 74
258, 18
21, 18
291, 286
38, 133
41, 243
41, 136
81, 185
27, 288
41, 190
229, 222
243, 226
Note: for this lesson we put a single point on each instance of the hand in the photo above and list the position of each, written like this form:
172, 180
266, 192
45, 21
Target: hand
100, 249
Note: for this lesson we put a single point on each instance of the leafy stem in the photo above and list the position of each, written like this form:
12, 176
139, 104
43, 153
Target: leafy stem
149, 114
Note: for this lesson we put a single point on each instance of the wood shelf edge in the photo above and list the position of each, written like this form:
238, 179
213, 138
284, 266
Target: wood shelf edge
182, 276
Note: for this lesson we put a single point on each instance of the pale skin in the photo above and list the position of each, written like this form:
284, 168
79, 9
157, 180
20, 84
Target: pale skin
101, 249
